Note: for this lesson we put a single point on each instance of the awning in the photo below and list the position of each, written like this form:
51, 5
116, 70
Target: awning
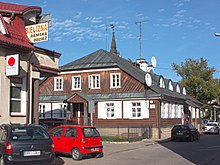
190, 103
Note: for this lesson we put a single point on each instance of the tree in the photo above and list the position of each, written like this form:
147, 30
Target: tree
198, 79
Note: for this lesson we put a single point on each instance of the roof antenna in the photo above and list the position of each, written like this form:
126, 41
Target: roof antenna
140, 38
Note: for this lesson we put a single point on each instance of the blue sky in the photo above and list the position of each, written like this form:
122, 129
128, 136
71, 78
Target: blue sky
172, 30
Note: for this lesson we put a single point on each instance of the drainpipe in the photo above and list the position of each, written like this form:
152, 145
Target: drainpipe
28, 85
159, 119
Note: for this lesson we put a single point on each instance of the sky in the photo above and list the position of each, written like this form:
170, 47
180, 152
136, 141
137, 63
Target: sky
172, 30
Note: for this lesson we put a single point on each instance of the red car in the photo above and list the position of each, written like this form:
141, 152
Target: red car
77, 141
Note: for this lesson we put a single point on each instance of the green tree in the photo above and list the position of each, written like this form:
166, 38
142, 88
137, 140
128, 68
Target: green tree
197, 78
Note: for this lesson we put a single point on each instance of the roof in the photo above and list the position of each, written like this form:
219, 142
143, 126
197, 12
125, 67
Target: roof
14, 38
104, 59
13, 33
17, 9
101, 96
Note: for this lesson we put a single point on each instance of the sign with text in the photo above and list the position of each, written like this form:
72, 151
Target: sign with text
12, 65
37, 32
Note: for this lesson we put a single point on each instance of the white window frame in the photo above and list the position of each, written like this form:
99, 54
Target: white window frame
58, 86
115, 80
136, 110
76, 82
22, 100
110, 110
94, 81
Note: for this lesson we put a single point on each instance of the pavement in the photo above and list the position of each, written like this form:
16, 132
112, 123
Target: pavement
117, 147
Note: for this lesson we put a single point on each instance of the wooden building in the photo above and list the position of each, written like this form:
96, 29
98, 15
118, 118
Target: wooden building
103, 88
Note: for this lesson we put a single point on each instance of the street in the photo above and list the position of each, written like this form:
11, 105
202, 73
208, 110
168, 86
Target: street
205, 151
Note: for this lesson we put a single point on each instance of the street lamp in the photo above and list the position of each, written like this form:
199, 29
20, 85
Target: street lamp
217, 34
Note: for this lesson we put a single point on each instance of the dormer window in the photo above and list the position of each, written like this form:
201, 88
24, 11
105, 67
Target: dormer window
177, 88
184, 90
170, 86
162, 83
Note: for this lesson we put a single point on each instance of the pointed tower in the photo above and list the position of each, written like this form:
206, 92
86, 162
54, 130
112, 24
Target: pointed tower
113, 44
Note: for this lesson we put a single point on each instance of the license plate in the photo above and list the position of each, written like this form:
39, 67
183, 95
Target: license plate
95, 149
31, 153
179, 133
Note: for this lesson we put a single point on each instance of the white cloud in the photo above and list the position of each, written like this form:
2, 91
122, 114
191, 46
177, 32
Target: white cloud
161, 10
94, 19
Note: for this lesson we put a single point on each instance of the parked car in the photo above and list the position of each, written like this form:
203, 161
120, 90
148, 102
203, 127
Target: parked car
185, 132
77, 141
22, 144
212, 127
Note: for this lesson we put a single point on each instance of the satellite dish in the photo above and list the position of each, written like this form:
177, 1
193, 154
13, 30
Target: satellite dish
153, 61
148, 79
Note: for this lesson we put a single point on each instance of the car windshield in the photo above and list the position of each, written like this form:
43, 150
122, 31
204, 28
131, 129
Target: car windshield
90, 132
180, 127
28, 133
212, 124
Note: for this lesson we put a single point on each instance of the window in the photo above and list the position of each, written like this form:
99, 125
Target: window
15, 98
70, 132
115, 80
110, 111
57, 132
58, 83
90, 132
94, 81
136, 109
76, 82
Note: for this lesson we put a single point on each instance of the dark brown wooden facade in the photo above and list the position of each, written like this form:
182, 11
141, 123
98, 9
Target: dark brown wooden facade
132, 88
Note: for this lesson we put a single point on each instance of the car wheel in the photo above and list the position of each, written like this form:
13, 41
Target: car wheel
2, 161
198, 137
76, 154
172, 139
191, 138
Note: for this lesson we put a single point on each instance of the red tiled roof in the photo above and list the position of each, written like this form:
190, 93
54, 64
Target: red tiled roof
17, 9
15, 38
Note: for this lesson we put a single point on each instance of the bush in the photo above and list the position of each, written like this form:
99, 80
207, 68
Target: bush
120, 139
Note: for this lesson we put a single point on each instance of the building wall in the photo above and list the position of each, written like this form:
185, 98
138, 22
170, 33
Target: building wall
6, 116
128, 83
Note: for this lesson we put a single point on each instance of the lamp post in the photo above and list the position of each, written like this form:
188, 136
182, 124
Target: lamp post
217, 34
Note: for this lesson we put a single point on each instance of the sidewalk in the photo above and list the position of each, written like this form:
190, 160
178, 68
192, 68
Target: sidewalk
111, 148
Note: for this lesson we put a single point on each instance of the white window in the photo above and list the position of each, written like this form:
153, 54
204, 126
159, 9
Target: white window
136, 109
110, 110
58, 83
115, 80
76, 82
163, 112
94, 81
15, 98
162, 83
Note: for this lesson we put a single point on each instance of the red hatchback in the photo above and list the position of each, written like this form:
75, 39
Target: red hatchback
77, 141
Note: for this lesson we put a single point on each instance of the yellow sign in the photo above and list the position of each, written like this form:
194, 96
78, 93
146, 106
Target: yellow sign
37, 32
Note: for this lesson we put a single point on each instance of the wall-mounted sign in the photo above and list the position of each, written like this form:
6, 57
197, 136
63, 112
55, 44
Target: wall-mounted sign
37, 32
12, 65
152, 106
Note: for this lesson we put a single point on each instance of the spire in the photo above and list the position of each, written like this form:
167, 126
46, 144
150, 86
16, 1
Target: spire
113, 44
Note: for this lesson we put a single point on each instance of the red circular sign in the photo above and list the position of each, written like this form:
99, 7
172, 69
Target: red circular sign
11, 61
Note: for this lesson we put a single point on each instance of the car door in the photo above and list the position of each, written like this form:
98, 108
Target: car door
69, 139
56, 135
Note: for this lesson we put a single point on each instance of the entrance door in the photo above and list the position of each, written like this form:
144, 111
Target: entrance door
78, 111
